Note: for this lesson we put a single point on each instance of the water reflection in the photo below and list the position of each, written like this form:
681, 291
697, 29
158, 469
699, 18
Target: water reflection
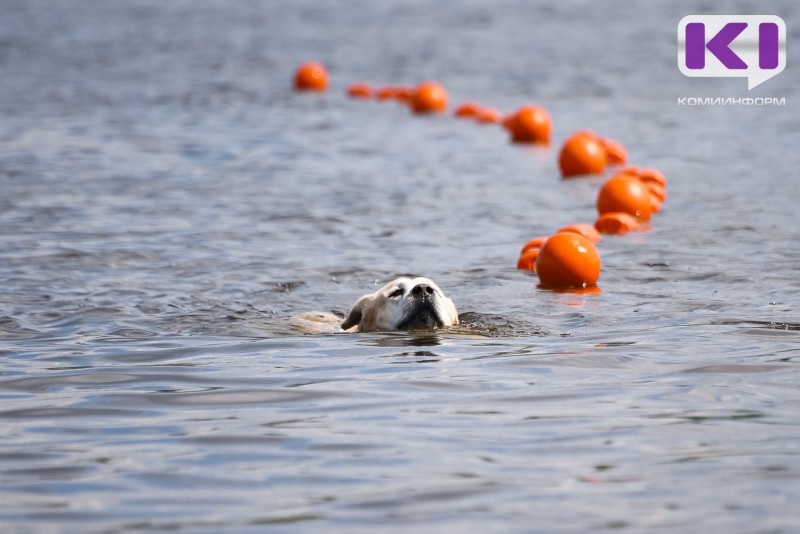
401, 339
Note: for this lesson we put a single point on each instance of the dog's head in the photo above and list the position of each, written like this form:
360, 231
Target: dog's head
403, 304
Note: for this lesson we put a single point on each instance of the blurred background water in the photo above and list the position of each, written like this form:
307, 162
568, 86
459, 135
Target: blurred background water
166, 201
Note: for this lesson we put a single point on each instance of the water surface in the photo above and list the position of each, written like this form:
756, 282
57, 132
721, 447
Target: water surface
167, 202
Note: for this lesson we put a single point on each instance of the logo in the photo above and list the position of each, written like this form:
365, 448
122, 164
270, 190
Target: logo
732, 46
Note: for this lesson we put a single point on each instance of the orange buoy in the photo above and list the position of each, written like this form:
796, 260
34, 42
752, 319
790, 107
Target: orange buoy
648, 175
385, 93
311, 77
589, 133
586, 230
359, 90
534, 243
429, 97
529, 124
626, 193
582, 153
655, 204
567, 260
654, 181
488, 116
658, 195
527, 261
467, 110
656, 190
617, 223
651, 175
615, 152
404, 94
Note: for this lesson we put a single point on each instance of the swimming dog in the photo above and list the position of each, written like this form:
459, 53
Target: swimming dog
403, 304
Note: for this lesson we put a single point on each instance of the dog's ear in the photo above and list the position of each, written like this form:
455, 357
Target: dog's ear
357, 312
451, 309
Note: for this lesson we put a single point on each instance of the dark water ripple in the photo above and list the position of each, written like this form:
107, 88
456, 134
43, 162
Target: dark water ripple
166, 203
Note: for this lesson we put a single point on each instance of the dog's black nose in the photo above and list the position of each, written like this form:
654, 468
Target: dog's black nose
422, 289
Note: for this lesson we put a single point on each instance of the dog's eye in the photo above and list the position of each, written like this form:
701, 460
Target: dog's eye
396, 293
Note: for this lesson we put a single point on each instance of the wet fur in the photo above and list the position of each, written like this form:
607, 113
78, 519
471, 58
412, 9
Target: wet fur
403, 304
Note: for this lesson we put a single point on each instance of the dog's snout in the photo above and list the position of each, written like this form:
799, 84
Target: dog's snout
422, 289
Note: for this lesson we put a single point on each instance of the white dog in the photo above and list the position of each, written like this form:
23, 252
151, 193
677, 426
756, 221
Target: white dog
403, 304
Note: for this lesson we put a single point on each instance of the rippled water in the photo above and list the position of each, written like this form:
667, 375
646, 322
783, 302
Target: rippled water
167, 202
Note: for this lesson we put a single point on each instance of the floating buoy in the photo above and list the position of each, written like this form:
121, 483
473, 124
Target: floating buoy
626, 193
582, 153
529, 124
527, 260
404, 94
568, 260
534, 243
467, 110
617, 223
429, 97
488, 116
586, 230
359, 90
615, 152
311, 77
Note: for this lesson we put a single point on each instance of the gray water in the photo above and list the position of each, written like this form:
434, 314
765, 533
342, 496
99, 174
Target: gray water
167, 202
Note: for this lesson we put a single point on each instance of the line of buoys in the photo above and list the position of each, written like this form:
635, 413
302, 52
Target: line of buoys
528, 124
567, 259
625, 203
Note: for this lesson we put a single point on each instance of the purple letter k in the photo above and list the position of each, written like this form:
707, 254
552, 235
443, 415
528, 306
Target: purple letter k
718, 45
